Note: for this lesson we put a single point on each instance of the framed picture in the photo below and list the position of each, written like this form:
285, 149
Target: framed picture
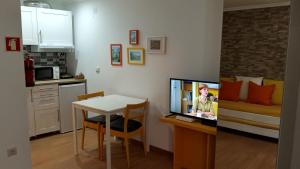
156, 45
134, 36
136, 56
116, 54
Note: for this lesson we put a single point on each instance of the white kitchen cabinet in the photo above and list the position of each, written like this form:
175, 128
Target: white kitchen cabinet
29, 26
46, 103
55, 28
30, 111
46, 108
46, 121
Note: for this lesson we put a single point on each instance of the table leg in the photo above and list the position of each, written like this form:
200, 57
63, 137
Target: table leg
74, 115
108, 150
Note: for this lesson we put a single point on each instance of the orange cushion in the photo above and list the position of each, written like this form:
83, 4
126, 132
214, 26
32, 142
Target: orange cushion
230, 90
260, 94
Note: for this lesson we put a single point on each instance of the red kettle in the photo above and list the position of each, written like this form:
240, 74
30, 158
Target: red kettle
29, 71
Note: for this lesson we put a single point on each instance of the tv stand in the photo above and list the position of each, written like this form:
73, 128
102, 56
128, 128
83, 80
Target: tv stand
186, 119
171, 114
194, 144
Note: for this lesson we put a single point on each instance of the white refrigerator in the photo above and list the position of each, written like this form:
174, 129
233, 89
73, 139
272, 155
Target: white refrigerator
67, 95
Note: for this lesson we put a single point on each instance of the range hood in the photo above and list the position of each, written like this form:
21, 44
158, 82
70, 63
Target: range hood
65, 49
37, 4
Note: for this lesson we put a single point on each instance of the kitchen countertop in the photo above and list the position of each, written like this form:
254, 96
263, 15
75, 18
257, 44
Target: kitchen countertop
60, 81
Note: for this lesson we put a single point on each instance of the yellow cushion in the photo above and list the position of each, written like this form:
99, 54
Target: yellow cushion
227, 79
215, 107
273, 110
278, 92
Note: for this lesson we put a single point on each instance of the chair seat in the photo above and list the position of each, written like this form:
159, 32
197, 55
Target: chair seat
132, 125
101, 119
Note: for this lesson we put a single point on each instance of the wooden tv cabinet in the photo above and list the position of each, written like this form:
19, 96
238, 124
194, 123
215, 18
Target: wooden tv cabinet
194, 144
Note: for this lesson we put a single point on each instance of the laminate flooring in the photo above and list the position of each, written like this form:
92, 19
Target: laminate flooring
56, 152
233, 151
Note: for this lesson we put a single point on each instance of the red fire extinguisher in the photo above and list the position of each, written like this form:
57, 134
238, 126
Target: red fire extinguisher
29, 71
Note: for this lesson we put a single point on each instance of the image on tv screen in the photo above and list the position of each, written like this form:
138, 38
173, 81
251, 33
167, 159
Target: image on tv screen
194, 98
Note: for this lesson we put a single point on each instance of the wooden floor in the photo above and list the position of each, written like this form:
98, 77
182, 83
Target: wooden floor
235, 151
232, 152
56, 152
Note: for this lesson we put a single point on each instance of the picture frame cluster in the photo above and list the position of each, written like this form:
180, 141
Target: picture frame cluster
135, 53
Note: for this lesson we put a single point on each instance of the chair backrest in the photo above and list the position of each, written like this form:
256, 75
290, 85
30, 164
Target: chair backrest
88, 96
135, 112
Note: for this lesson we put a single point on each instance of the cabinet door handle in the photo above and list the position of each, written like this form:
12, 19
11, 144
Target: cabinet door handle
41, 38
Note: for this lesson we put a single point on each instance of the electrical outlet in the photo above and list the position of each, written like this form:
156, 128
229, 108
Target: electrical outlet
97, 69
12, 152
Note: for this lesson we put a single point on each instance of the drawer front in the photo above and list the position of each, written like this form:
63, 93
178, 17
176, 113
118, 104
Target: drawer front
38, 95
45, 88
46, 103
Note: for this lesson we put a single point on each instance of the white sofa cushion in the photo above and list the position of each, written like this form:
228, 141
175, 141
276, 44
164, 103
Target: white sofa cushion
244, 88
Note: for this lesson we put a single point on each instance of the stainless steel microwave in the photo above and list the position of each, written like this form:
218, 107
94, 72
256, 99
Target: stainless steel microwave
46, 72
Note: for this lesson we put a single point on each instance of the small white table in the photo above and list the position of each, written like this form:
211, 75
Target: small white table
106, 105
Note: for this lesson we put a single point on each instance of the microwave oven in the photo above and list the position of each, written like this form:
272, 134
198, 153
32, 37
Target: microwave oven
46, 72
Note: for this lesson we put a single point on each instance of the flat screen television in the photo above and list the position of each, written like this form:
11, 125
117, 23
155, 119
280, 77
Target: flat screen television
194, 98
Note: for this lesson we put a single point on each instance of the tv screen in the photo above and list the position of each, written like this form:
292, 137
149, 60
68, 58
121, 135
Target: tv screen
193, 98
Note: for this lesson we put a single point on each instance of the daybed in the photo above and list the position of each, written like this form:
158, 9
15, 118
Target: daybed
253, 118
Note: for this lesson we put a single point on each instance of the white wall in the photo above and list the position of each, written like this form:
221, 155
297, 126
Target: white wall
193, 29
289, 145
13, 118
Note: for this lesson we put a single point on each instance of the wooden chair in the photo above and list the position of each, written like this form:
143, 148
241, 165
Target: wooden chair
132, 124
95, 123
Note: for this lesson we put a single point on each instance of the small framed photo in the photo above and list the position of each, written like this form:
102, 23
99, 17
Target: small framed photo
134, 36
136, 56
156, 45
116, 54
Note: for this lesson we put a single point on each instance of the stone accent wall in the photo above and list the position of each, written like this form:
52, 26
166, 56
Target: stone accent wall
255, 42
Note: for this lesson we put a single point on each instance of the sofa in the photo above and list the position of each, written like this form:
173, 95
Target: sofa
253, 118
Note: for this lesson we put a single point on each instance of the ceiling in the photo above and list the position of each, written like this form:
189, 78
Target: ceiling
242, 3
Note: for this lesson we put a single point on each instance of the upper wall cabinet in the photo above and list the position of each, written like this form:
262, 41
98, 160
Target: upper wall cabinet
55, 28
29, 26
52, 28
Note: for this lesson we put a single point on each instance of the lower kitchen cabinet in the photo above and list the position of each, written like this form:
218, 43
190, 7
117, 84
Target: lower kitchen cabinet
43, 109
49, 107
46, 121
46, 108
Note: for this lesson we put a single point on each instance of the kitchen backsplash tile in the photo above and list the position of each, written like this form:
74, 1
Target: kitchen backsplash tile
49, 59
